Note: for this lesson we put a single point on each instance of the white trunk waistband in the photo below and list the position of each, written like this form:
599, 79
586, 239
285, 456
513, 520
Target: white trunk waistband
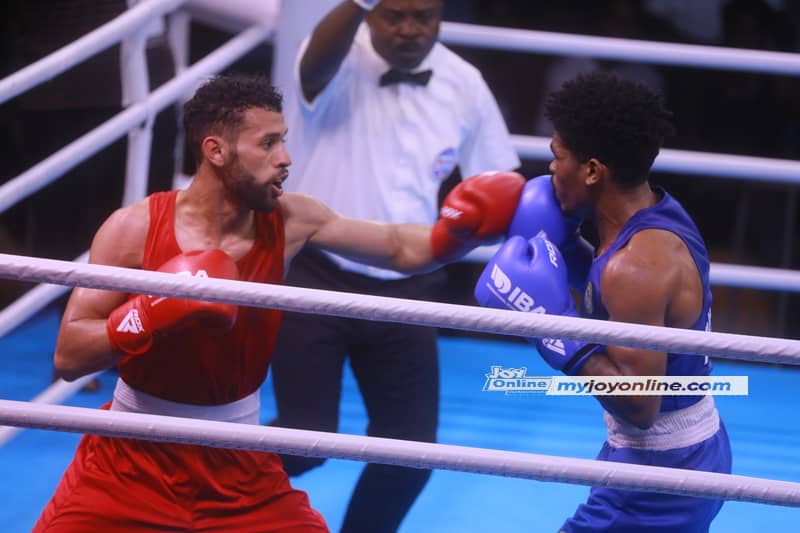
675, 429
244, 411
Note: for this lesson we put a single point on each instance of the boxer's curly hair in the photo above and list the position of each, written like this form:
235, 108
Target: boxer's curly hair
621, 123
218, 106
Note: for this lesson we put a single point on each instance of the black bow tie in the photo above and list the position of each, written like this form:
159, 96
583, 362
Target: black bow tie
399, 76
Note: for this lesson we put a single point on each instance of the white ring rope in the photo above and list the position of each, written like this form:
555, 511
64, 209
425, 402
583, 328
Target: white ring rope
30, 303
727, 345
388, 451
517, 40
57, 392
722, 274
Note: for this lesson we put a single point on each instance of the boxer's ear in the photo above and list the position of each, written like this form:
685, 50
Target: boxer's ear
595, 171
214, 149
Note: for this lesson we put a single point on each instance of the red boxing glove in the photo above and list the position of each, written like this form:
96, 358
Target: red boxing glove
477, 211
130, 326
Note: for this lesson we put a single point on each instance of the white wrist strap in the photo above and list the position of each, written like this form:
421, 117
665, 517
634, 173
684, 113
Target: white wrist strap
367, 4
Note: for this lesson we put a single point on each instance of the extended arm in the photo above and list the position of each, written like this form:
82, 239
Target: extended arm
329, 44
401, 247
475, 212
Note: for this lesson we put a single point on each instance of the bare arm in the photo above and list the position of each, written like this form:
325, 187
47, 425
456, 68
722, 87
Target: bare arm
83, 346
401, 247
329, 44
638, 285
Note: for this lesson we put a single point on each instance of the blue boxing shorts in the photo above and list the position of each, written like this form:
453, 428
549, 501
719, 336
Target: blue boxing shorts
628, 511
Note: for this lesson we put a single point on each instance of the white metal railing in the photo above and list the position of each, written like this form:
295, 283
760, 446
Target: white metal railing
54, 166
136, 120
726, 275
90, 44
566, 44
135, 79
456, 33
690, 162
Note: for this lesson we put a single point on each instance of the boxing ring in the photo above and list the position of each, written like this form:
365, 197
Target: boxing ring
471, 453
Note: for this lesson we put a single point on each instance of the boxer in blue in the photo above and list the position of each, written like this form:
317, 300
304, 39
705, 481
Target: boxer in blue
650, 266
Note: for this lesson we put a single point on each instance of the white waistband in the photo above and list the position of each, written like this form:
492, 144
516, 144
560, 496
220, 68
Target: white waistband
244, 411
675, 429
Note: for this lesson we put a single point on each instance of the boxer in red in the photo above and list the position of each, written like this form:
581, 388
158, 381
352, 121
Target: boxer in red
207, 360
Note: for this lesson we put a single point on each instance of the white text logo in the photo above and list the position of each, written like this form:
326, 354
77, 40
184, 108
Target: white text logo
552, 254
514, 381
555, 345
131, 323
450, 212
515, 298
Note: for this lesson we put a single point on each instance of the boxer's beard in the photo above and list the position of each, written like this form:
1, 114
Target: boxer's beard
242, 186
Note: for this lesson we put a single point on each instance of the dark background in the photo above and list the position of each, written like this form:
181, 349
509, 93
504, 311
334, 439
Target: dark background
743, 222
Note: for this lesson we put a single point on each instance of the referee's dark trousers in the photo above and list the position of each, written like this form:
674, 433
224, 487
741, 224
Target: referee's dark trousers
397, 370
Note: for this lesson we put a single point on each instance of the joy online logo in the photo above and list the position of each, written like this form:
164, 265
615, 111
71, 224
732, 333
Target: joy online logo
514, 380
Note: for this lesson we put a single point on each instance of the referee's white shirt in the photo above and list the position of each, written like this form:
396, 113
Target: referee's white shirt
381, 153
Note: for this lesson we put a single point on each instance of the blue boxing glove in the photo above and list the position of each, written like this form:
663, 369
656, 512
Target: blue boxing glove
531, 276
539, 214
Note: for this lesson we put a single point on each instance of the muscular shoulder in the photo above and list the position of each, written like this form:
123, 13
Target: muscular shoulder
302, 216
641, 279
121, 239
301, 209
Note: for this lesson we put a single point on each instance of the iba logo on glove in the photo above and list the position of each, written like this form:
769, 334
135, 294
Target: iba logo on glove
513, 297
